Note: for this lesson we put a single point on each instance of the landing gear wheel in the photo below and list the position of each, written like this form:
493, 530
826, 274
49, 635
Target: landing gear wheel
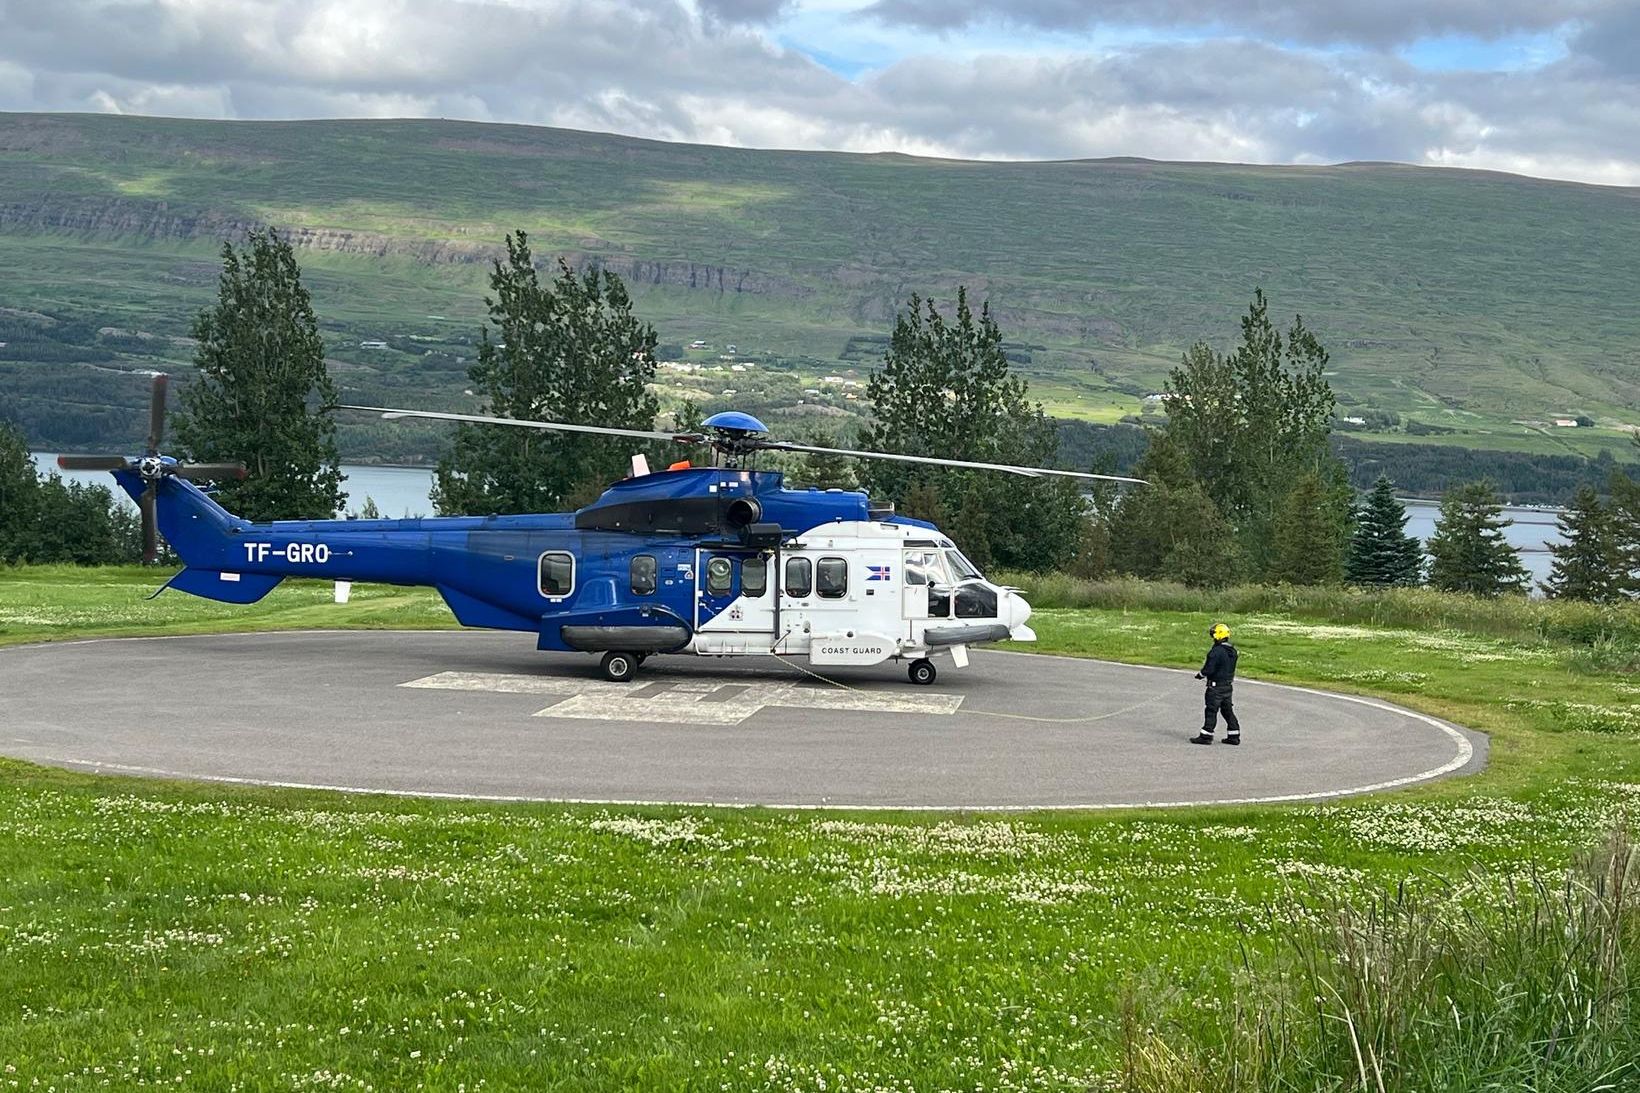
922, 672
619, 667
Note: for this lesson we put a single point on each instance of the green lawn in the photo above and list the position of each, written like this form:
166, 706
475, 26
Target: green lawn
210, 937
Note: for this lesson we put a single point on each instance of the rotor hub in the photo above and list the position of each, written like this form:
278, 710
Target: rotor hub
150, 467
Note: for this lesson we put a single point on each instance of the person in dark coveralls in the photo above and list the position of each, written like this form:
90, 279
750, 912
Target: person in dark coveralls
1220, 672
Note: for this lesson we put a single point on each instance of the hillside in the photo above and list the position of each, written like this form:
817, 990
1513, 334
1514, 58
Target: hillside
1458, 300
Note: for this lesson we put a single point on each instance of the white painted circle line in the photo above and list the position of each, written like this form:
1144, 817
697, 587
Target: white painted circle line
809, 806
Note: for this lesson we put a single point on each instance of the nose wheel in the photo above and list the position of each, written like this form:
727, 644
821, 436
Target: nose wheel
619, 667
922, 672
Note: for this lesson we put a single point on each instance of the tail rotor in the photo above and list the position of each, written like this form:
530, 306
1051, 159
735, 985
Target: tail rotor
152, 467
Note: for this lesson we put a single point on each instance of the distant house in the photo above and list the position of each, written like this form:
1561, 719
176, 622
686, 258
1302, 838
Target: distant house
1565, 423
372, 345
1353, 420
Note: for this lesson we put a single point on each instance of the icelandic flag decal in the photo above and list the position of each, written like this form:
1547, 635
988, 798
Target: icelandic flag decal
877, 573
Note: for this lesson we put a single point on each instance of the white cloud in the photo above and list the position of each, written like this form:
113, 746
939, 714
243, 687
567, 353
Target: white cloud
1379, 23
708, 72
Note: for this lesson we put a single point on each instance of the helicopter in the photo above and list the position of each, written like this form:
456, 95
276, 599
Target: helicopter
714, 560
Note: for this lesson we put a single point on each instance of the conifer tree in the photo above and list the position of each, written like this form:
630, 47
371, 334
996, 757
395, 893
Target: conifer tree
1381, 552
261, 363
1469, 552
1310, 537
823, 472
46, 520
1625, 514
569, 351
1171, 529
945, 390
80, 523
1586, 560
1252, 421
19, 495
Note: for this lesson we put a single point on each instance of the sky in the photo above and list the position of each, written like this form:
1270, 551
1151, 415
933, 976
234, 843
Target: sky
1537, 87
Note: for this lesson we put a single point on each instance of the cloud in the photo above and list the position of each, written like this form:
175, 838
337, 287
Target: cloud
744, 11
1612, 41
699, 72
1364, 22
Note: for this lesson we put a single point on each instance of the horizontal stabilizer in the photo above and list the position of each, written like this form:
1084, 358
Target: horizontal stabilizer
214, 584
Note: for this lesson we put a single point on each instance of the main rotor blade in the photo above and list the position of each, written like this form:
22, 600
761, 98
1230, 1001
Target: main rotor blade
93, 462
150, 526
555, 426
156, 413
1028, 472
209, 472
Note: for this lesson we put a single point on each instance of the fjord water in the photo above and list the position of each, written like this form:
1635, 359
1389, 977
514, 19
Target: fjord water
397, 491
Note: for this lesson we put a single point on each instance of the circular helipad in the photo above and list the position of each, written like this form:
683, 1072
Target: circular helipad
483, 715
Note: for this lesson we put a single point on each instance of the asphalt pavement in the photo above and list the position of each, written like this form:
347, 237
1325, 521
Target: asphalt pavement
484, 715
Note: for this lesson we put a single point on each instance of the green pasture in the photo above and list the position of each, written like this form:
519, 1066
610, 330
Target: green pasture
213, 937
1460, 299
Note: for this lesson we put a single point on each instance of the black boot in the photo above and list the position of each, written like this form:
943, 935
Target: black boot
1233, 738
1202, 738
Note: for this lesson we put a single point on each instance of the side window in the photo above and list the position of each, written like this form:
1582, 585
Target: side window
799, 576
643, 575
557, 574
915, 574
921, 568
720, 576
831, 578
754, 577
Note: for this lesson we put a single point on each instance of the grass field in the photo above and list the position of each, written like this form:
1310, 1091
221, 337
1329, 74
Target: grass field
209, 937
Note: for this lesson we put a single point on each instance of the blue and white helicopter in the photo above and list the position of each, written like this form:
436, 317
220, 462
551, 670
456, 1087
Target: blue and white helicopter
718, 560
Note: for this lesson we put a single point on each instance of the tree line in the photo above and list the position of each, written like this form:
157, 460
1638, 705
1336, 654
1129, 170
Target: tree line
1245, 483
44, 520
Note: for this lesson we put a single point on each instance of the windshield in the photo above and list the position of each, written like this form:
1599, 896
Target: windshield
962, 567
924, 567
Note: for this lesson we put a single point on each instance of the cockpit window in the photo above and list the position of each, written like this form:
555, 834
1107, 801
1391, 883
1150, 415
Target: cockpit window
924, 567
961, 566
976, 601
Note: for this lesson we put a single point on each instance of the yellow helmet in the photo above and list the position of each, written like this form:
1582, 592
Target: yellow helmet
1220, 631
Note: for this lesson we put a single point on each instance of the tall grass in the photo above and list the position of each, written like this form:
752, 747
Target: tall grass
1531, 988
1411, 608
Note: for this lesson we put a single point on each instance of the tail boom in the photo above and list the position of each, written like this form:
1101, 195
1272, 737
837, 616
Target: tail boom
237, 561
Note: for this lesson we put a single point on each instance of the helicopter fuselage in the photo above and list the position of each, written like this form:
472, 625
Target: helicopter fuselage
700, 560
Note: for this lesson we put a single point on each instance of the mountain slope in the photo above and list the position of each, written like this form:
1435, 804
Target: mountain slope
1460, 300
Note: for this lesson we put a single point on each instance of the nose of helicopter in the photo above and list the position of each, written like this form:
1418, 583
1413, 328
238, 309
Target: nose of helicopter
1013, 612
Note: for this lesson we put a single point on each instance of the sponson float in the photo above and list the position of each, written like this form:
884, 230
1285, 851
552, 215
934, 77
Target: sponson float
715, 561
